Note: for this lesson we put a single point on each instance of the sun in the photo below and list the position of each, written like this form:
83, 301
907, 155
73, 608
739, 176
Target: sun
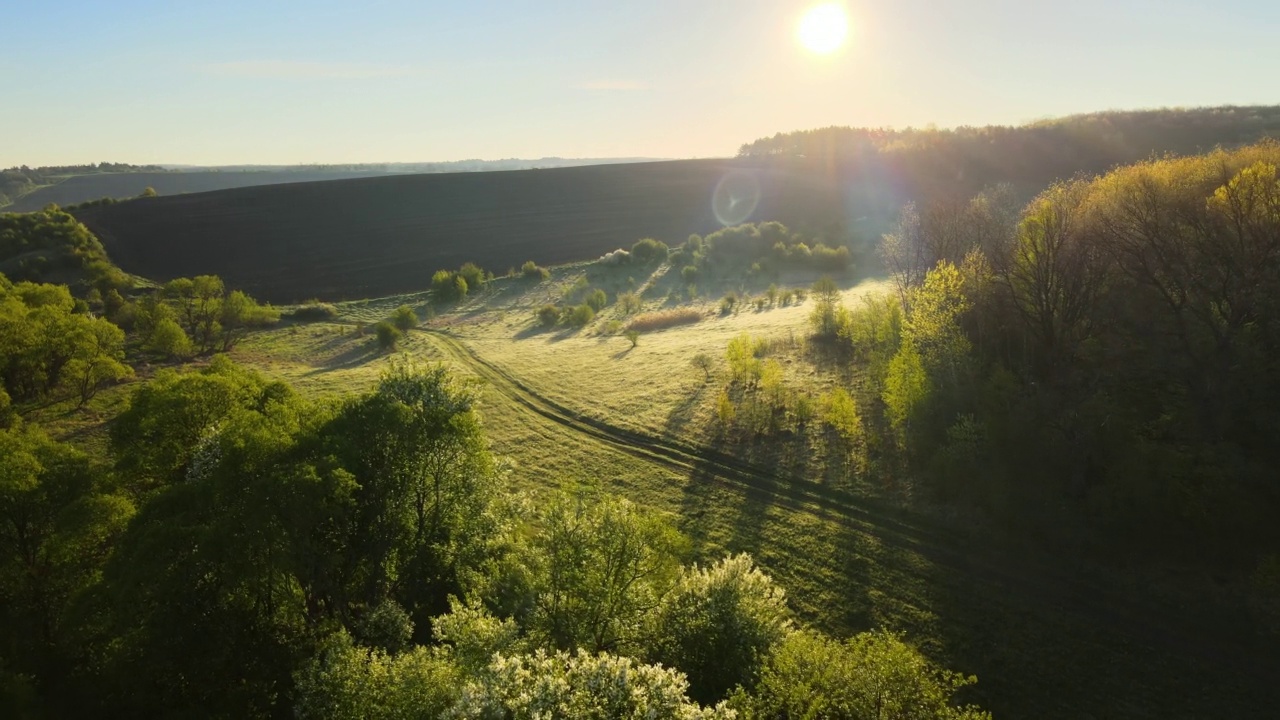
823, 28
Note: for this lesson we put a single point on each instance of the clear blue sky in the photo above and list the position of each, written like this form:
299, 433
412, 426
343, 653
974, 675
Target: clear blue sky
284, 81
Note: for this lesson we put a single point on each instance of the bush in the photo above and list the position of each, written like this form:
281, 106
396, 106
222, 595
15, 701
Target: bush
581, 315
633, 336
596, 299
547, 315
649, 322
703, 362
616, 257
689, 274
629, 302
444, 286
404, 318
388, 335
871, 675
314, 311
649, 250
475, 276
531, 271
170, 340
718, 625
728, 302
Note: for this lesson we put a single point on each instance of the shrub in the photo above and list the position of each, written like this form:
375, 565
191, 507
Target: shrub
404, 318
388, 335
827, 258
170, 340
772, 294
728, 302
649, 322
475, 276
649, 250
840, 411
689, 273
314, 311
803, 409
443, 286
581, 315
632, 336
629, 302
531, 271
548, 315
596, 300
725, 409
616, 257
703, 362
873, 674
718, 625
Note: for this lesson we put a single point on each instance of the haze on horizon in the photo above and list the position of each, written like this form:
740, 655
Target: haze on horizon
146, 81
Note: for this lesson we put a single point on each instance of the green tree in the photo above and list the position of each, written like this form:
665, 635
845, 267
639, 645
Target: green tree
825, 311
404, 318
633, 336
705, 363
581, 315
239, 315
560, 685
347, 682
602, 565
58, 523
871, 675
169, 340
98, 358
388, 335
548, 315
717, 626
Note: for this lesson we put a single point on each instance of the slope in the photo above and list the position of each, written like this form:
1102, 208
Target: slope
379, 236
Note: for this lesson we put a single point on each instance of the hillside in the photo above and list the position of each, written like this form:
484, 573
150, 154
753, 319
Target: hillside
379, 236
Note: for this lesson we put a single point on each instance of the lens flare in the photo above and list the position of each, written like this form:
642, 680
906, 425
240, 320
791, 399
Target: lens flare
736, 197
823, 28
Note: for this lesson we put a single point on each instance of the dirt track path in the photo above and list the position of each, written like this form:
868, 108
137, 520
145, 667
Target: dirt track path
1045, 583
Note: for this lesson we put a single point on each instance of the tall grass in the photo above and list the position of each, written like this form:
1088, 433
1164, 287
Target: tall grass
649, 322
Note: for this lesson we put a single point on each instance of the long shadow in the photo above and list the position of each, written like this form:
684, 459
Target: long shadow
355, 357
532, 331
681, 414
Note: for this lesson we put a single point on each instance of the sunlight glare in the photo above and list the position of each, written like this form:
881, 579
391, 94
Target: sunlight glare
823, 28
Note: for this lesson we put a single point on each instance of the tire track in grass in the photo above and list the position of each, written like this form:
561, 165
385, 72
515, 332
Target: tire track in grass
1041, 584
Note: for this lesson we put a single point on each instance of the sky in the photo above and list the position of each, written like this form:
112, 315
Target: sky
284, 81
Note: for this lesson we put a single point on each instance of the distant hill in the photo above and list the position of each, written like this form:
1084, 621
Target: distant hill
29, 190
965, 159
382, 235
378, 236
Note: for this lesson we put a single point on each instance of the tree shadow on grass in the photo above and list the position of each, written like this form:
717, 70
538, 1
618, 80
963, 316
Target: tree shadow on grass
356, 356
681, 414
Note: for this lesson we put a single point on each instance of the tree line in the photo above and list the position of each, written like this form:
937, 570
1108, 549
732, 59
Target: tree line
933, 163
1103, 356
